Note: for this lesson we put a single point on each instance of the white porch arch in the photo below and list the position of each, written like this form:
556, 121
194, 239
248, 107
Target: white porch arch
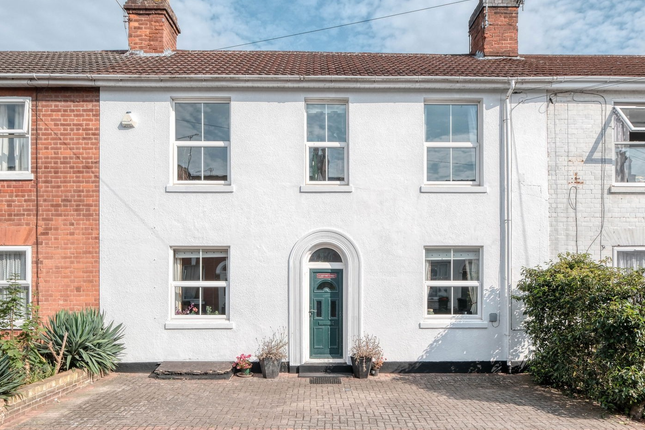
299, 294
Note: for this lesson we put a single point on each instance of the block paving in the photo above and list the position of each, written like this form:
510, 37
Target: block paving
390, 401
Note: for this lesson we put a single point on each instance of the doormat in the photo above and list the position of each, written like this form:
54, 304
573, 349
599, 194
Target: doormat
324, 380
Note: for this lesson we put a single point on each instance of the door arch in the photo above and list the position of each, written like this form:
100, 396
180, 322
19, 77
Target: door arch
299, 304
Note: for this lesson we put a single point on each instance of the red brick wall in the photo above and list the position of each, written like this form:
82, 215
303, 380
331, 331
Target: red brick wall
499, 39
57, 213
151, 32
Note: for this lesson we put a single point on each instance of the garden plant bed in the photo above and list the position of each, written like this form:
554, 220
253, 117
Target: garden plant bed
43, 392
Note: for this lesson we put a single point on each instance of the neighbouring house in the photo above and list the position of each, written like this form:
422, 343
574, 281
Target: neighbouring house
332, 193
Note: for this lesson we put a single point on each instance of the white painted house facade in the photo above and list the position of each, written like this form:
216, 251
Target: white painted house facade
338, 194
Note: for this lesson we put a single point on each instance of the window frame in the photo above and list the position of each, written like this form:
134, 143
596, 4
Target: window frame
199, 284
28, 266
327, 144
452, 145
24, 133
199, 144
618, 249
453, 284
620, 115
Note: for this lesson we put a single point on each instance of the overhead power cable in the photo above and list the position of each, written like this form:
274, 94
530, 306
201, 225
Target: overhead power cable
345, 25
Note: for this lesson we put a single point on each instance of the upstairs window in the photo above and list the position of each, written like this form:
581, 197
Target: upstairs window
326, 143
629, 142
451, 143
14, 136
202, 142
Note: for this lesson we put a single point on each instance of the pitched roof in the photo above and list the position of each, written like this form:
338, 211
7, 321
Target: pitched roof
273, 63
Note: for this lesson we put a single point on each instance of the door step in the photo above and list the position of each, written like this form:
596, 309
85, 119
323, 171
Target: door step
194, 370
311, 370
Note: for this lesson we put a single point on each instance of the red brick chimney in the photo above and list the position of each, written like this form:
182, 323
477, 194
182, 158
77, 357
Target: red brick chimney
152, 26
493, 28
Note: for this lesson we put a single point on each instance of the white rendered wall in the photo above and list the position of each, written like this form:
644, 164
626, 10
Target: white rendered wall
386, 217
581, 127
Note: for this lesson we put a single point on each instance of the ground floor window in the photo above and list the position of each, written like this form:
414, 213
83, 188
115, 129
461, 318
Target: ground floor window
452, 281
629, 257
15, 269
200, 282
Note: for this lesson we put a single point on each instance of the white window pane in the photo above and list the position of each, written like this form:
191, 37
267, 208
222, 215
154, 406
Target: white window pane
630, 163
464, 123
463, 164
187, 265
635, 115
438, 269
438, 164
215, 164
630, 259
12, 116
336, 123
317, 164
13, 263
438, 254
316, 123
14, 154
216, 122
188, 122
196, 301
189, 163
439, 300
336, 164
465, 270
437, 119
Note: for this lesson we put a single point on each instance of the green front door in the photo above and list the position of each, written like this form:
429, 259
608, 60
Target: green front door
326, 313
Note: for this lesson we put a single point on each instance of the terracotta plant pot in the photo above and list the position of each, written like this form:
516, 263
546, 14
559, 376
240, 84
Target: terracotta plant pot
361, 367
270, 367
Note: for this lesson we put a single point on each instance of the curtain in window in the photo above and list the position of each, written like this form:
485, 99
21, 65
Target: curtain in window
13, 263
472, 124
473, 272
631, 260
13, 151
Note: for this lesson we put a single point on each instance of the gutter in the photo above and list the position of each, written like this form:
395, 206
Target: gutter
296, 81
507, 227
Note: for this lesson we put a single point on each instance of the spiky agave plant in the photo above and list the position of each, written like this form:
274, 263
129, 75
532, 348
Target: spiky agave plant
10, 378
90, 344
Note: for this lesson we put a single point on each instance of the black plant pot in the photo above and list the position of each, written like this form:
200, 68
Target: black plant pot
270, 367
361, 367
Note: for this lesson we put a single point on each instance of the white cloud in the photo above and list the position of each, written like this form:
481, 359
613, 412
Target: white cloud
546, 26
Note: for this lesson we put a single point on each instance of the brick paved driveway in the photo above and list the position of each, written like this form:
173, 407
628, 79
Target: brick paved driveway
129, 402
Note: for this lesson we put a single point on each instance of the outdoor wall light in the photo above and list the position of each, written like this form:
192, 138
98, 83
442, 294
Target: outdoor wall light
128, 121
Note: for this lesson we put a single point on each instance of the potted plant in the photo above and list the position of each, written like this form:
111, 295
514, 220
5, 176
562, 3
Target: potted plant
271, 352
377, 363
243, 365
363, 350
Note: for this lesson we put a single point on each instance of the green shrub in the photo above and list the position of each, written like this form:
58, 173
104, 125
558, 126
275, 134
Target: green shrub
10, 378
586, 323
90, 344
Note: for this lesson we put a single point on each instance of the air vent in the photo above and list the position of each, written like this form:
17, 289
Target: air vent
324, 380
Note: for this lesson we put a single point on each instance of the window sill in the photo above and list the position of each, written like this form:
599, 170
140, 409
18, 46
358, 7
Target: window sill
457, 189
16, 176
200, 188
201, 324
627, 189
445, 324
326, 189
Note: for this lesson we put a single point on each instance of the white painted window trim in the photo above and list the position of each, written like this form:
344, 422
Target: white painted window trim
309, 185
438, 186
626, 187
198, 321
454, 321
177, 186
617, 249
23, 282
24, 132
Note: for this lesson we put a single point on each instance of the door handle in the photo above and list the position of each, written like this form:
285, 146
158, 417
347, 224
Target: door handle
311, 312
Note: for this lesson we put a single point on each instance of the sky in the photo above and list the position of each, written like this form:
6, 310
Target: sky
546, 26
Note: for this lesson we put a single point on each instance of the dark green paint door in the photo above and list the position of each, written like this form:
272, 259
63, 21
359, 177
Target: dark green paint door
326, 313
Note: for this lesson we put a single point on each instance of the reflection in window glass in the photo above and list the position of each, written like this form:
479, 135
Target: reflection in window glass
325, 255
326, 142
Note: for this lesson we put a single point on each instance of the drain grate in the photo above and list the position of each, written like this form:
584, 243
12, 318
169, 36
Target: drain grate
324, 380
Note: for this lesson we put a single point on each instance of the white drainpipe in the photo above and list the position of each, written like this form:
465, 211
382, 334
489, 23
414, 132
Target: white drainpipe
507, 231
